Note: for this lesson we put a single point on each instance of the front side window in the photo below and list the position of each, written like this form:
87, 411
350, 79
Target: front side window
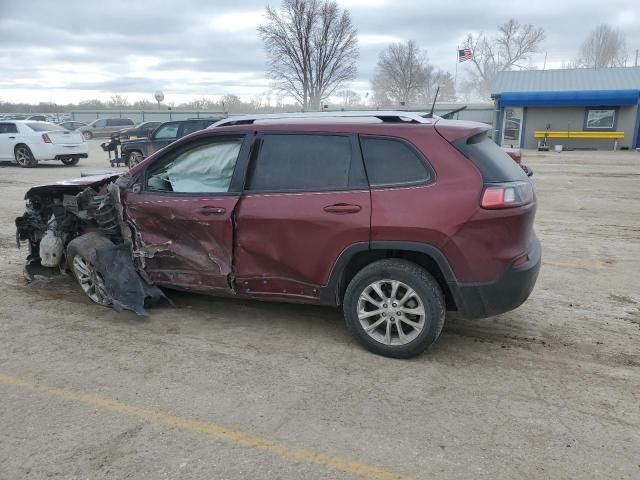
168, 131
303, 162
392, 162
191, 127
600, 119
206, 168
100, 123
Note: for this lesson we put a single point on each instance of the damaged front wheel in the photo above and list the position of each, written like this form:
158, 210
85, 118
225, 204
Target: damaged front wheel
81, 258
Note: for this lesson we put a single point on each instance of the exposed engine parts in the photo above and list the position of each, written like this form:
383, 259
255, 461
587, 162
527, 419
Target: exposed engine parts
56, 215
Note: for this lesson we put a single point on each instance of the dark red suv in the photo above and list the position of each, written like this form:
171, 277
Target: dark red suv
394, 217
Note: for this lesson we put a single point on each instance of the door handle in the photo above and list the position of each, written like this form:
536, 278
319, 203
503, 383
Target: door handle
211, 210
12, 137
342, 208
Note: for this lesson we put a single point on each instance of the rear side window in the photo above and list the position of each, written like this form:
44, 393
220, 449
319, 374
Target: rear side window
126, 121
493, 162
8, 128
303, 162
392, 162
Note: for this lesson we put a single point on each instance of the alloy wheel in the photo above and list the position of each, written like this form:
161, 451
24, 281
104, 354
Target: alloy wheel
391, 312
22, 156
90, 280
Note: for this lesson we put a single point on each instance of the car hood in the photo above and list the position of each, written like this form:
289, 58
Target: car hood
138, 141
74, 185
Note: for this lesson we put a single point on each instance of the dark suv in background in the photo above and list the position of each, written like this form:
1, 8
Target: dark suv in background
394, 217
135, 151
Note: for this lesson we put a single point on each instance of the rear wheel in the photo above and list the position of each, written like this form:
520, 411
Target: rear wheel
394, 308
81, 256
24, 157
70, 161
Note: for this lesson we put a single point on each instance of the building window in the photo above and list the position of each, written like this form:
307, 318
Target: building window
600, 119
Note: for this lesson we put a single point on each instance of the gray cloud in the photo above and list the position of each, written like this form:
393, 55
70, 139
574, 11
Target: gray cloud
198, 47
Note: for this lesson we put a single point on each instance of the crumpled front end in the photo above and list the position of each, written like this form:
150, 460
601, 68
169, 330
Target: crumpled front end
56, 214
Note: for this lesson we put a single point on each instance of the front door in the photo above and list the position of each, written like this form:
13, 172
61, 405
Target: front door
306, 200
182, 216
512, 127
163, 136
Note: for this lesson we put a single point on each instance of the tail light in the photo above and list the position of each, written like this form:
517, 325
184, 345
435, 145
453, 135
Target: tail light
45, 138
507, 195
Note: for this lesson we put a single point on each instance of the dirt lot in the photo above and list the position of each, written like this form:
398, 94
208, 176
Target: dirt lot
223, 389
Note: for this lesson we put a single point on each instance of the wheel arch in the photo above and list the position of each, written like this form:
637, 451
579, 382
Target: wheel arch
357, 256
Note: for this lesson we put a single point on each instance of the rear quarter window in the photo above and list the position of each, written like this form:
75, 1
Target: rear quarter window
390, 161
494, 164
43, 127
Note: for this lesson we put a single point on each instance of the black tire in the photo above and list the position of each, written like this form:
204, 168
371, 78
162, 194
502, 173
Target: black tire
71, 161
24, 157
85, 247
134, 158
426, 290
87, 135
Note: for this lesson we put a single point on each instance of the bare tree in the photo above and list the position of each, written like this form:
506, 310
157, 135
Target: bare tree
510, 49
604, 47
118, 101
312, 48
349, 97
400, 74
440, 81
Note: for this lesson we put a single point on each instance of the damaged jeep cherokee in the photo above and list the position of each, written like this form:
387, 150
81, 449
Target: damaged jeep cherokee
394, 217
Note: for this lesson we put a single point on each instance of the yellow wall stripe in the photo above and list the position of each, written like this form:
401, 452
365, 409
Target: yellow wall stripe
566, 134
364, 470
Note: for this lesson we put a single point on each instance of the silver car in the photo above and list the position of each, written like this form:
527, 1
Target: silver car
104, 127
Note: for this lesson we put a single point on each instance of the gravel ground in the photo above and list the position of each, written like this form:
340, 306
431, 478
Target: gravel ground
224, 389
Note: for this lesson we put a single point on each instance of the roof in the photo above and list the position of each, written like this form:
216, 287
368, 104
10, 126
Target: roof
574, 79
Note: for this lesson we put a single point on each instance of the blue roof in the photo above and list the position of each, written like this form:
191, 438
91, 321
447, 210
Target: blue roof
569, 98
568, 79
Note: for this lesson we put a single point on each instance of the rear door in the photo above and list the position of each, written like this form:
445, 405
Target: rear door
8, 134
306, 200
182, 215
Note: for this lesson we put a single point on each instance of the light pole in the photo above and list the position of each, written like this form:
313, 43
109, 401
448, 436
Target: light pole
159, 96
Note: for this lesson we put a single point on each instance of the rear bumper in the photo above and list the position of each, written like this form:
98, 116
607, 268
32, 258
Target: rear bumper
507, 293
71, 155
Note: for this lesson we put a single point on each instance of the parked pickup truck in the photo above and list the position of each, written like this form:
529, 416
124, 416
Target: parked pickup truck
134, 151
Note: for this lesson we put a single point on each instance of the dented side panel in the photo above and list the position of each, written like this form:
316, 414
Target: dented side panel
183, 241
287, 243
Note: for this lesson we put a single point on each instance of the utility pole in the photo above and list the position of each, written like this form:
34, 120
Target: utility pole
636, 57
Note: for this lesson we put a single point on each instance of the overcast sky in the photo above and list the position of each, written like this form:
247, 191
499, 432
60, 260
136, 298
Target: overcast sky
66, 51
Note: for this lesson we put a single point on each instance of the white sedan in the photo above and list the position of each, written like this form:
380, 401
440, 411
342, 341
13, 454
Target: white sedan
28, 142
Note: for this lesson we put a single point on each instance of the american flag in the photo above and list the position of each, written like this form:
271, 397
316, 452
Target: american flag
464, 54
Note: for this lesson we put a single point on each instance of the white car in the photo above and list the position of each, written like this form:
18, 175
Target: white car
28, 142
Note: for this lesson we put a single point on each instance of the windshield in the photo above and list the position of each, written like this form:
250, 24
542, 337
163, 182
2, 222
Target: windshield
44, 126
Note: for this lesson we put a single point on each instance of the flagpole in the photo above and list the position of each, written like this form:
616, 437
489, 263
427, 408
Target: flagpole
455, 78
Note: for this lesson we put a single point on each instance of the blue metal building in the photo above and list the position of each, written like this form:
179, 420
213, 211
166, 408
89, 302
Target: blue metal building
583, 108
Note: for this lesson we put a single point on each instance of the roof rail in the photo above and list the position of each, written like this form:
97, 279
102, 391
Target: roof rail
391, 116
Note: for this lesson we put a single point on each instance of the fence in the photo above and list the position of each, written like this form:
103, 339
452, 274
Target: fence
138, 116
